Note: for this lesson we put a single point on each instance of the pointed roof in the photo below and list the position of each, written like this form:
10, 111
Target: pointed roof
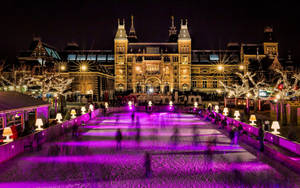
13, 101
172, 30
121, 32
132, 35
173, 37
276, 64
184, 32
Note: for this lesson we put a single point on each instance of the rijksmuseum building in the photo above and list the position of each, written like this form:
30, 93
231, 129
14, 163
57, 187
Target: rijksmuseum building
134, 66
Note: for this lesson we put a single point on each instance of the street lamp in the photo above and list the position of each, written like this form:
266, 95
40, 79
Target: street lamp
130, 105
83, 68
170, 105
55, 102
220, 67
62, 67
195, 105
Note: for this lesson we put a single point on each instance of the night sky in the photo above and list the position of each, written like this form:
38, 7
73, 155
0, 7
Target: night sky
92, 24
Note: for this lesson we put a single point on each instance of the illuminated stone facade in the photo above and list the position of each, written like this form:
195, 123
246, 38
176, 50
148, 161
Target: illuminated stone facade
152, 67
140, 67
174, 66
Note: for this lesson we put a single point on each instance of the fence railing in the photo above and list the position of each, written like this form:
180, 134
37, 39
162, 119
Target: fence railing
12, 149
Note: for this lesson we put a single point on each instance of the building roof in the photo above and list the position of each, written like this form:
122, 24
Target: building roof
152, 48
184, 32
10, 100
121, 33
213, 56
253, 49
36, 49
132, 35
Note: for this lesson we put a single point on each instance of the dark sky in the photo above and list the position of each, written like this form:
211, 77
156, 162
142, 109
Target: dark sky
92, 24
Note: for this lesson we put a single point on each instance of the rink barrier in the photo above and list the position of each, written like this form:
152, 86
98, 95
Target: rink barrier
274, 139
12, 149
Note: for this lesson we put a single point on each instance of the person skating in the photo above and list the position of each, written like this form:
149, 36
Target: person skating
147, 165
119, 139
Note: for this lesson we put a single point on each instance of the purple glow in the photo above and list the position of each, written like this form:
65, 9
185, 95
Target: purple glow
81, 161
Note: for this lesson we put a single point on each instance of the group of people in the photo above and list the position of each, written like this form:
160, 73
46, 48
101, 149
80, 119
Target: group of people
235, 130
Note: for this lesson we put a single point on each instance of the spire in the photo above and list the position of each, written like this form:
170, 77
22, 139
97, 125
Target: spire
121, 32
276, 64
268, 34
172, 30
184, 32
132, 35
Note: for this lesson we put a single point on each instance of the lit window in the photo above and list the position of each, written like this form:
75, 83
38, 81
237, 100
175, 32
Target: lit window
71, 57
215, 84
81, 57
91, 57
101, 58
204, 84
194, 83
110, 57
185, 60
213, 57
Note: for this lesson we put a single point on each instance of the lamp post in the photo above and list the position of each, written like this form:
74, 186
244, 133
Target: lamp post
150, 105
195, 106
130, 105
247, 102
55, 102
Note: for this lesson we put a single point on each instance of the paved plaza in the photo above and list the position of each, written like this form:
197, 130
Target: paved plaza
184, 152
